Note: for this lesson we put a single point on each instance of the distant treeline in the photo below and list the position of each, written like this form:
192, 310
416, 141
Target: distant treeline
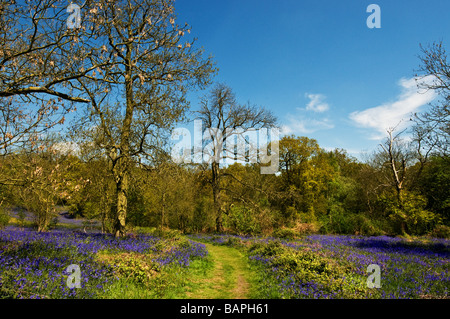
315, 191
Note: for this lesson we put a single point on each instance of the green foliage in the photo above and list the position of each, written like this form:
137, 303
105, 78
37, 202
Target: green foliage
4, 218
272, 248
441, 231
339, 222
285, 233
172, 234
137, 206
412, 213
363, 225
137, 267
201, 219
234, 242
434, 184
93, 198
304, 267
242, 220
21, 217
318, 189
141, 277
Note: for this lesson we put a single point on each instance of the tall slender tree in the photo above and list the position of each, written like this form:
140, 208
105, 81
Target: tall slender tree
396, 157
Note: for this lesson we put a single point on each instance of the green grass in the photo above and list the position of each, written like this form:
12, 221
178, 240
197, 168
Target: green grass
225, 274
171, 283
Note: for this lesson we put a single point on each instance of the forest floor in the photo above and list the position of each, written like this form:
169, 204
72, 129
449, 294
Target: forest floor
227, 277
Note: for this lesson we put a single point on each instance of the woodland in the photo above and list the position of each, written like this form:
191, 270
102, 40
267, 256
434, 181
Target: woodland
86, 116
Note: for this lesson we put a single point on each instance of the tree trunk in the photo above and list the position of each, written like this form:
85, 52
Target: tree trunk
122, 202
403, 227
397, 178
122, 171
216, 196
163, 211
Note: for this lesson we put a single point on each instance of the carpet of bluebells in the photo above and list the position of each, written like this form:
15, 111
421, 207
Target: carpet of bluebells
34, 265
334, 267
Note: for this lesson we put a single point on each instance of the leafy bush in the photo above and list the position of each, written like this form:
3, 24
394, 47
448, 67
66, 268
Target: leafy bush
337, 222
242, 220
441, 231
364, 226
4, 218
300, 273
285, 233
351, 224
133, 266
306, 228
171, 233
273, 248
233, 242
413, 214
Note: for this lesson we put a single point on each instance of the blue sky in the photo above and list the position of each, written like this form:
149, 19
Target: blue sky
317, 66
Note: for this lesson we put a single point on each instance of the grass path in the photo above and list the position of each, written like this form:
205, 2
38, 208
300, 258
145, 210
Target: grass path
226, 276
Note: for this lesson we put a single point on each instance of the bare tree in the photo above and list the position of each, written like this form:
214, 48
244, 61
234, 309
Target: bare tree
39, 53
397, 157
433, 127
41, 59
225, 119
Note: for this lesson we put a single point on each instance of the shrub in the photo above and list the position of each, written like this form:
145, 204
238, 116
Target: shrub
302, 261
273, 248
306, 228
134, 266
234, 242
242, 220
285, 233
4, 218
412, 216
172, 234
364, 226
338, 222
351, 224
441, 231
300, 273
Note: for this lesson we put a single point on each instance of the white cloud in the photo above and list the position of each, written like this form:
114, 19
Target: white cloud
300, 124
396, 113
317, 103
305, 126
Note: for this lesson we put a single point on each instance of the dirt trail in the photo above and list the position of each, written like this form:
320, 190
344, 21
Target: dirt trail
229, 277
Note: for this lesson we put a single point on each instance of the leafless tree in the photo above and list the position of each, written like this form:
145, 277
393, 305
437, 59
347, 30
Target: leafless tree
396, 157
432, 128
40, 60
223, 119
